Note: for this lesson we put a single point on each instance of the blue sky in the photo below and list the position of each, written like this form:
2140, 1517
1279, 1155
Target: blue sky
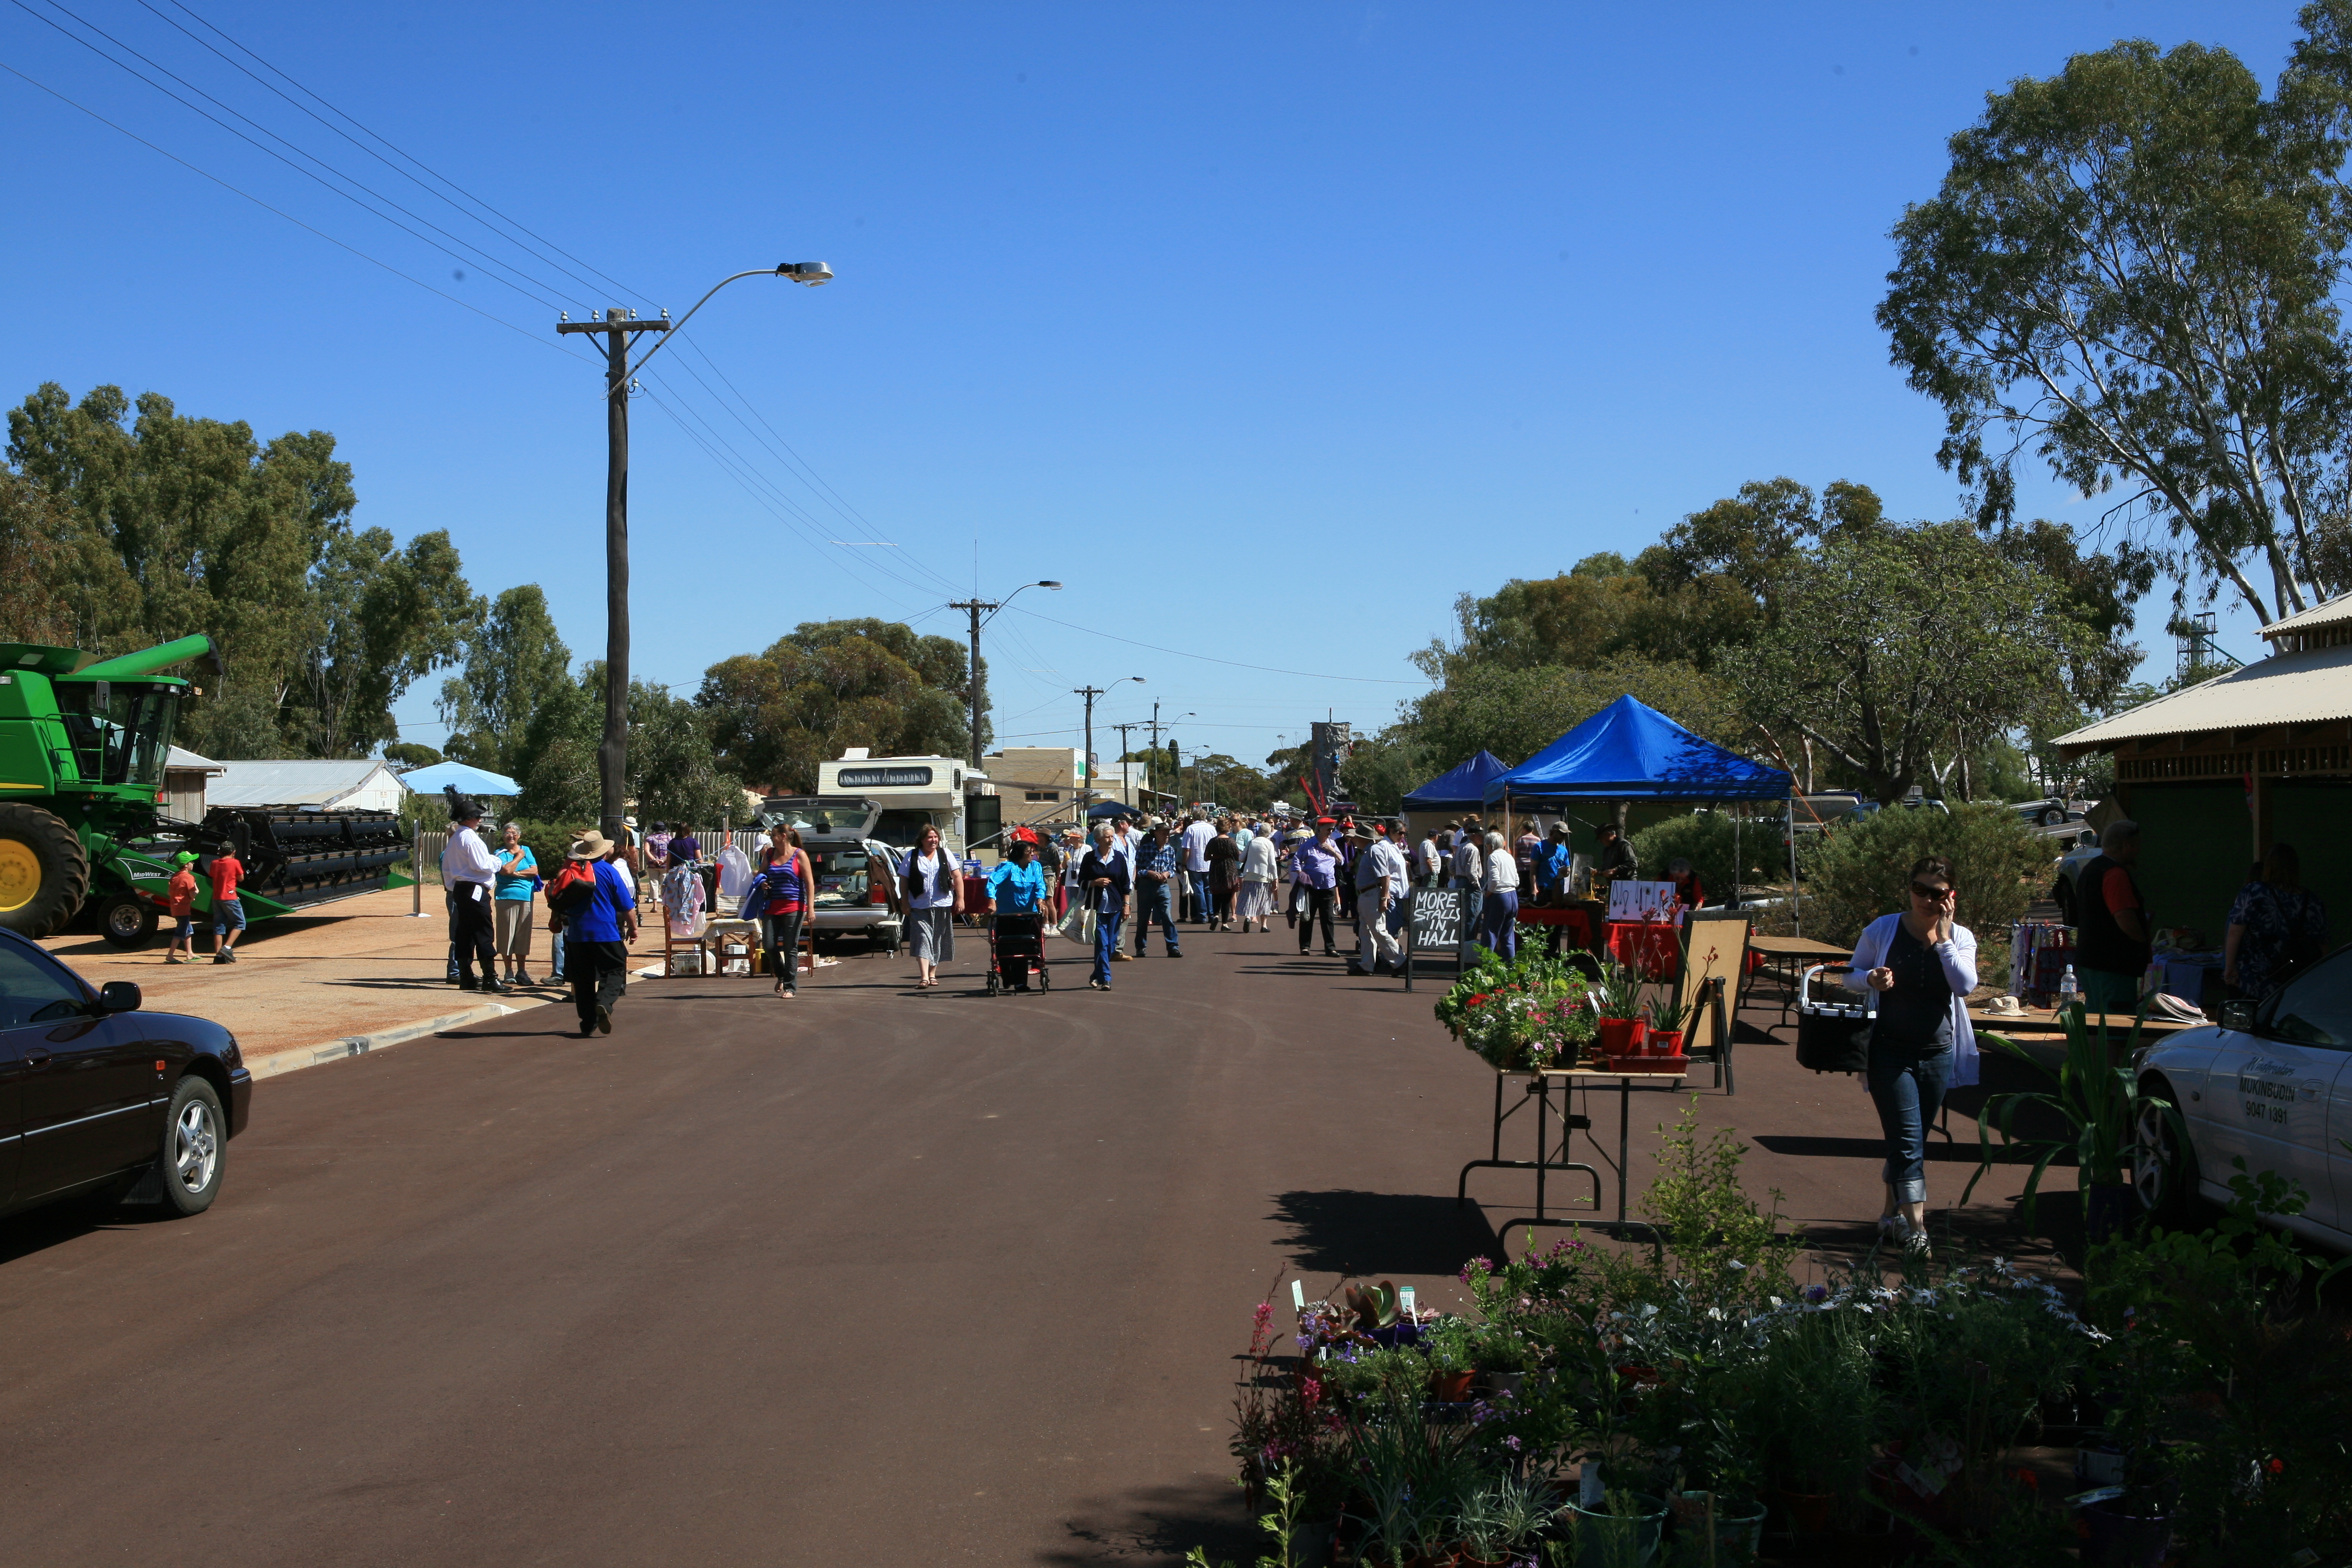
1267, 330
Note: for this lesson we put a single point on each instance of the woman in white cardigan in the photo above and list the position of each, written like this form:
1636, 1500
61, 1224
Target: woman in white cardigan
1920, 967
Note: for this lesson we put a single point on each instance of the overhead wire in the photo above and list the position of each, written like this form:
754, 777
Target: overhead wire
290, 217
476, 257
380, 158
1233, 663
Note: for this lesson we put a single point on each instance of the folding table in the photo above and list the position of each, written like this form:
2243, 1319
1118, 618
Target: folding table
1538, 1087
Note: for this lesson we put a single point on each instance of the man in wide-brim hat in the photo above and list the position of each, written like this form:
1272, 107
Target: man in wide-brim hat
600, 921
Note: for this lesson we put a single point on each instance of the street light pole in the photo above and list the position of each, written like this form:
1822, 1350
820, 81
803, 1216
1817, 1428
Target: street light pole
619, 327
971, 685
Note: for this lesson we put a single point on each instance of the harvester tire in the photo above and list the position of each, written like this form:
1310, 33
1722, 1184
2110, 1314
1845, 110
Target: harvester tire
127, 920
44, 875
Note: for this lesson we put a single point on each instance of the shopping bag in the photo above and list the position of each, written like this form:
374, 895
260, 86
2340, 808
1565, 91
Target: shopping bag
1078, 925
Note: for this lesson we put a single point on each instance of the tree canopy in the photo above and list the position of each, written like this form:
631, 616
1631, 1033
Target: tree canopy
832, 684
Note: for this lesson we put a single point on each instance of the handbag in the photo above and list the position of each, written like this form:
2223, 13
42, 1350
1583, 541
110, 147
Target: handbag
1832, 1035
1078, 925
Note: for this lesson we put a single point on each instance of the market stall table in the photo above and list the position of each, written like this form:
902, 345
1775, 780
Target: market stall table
1539, 1088
1786, 959
1647, 947
1576, 923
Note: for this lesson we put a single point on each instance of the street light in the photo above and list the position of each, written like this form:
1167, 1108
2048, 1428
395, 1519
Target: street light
618, 326
975, 606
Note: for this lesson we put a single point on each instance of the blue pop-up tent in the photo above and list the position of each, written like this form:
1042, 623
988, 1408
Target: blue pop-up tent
1461, 789
469, 780
1630, 751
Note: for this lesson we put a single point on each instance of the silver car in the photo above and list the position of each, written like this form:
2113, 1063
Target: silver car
856, 890
2271, 1084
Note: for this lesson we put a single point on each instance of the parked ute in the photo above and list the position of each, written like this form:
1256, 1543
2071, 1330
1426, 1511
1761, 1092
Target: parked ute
856, 873
100, 1098
2271, 1084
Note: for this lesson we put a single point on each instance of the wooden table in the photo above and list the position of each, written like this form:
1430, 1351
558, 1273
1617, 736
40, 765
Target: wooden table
2045, 1021
1539, 1088
1786, 959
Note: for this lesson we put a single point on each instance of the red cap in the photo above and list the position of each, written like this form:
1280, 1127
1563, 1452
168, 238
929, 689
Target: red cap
1331, 821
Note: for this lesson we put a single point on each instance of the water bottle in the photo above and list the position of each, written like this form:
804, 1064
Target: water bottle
2069, 991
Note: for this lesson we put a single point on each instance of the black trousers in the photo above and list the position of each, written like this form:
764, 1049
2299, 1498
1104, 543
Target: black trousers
783, 933
599, 973
1316, 903
472, 932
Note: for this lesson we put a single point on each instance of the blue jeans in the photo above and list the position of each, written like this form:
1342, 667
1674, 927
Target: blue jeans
1907, 1085
1500, 927
1197, 883
1155, 902
1105, 943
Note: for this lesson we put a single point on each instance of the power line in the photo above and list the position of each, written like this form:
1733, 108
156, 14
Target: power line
478, 257
290, 217
1236, 664
380, 158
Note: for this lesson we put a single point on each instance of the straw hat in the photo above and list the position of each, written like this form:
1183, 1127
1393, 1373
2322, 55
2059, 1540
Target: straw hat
591, 845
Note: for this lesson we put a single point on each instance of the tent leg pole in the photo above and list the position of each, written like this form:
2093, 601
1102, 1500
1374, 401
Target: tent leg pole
1796, 909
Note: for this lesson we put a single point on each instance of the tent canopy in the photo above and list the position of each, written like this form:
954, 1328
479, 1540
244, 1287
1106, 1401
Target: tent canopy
469, 780
1107, 810
1630, 751
1460, 789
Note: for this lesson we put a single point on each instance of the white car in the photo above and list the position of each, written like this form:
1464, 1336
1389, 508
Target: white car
2271, 1083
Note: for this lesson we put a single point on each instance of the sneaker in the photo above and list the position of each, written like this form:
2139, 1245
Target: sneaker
1175, 952
603, 1020
1097, 983
1916, 1249
1123, 958
223, 957
1358, 970
1890, 1227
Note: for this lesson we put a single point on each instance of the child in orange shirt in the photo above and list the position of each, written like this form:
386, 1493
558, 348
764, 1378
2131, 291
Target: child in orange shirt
181, 903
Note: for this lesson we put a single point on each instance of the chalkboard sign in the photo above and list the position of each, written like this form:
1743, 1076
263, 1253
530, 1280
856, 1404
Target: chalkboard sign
1444, 924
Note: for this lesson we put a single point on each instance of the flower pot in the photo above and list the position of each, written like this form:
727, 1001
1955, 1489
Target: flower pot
1808, 1512
1619, 1036
1662, 1042
1504, 1383
1739, 1531
1450, 1387
2119, 1538
2108, 1211
1605, 1541
2098, 1461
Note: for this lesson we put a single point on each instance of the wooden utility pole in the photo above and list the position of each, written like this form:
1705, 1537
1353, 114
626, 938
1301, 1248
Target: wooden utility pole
612, 752
972, 684
1087, 767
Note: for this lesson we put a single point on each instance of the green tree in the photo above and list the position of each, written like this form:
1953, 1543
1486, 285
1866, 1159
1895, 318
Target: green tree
1893, 643
2129, 270
675, 774
515, 665
194, 525
1855, 870
830, 685
65, 587
411, 754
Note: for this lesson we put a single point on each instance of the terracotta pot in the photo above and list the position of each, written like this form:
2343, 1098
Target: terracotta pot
1619, 1036
1450, 1387
1809, 1512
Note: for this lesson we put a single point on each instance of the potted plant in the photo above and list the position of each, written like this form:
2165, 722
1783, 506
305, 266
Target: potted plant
1622, 1532
1451, 1371
1502, 1358
1668, 1019
2101, 1104
1617, 1003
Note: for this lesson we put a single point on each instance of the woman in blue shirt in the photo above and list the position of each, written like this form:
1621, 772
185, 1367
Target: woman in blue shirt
515, 885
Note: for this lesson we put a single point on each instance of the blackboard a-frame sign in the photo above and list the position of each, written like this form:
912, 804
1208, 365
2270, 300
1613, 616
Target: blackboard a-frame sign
1443, 923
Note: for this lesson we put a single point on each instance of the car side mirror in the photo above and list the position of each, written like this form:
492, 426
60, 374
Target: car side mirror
118, 996
2238, 1016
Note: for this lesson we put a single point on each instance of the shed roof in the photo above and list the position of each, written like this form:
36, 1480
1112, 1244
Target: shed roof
2302, 688
2335, 612
326, 782
181, 760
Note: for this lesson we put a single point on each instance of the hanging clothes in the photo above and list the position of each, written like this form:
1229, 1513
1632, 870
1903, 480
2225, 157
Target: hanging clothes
682, 902
734, 873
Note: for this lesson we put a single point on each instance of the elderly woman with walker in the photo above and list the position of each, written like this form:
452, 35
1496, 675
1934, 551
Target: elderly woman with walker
1920, 966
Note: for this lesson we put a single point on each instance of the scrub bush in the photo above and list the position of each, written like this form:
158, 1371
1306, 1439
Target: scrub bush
1855, 868
1705, 839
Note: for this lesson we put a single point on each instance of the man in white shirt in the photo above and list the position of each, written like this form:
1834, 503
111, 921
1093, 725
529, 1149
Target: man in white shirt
1197, 834
468, 872
1469, 863
1380, 875
1431, 862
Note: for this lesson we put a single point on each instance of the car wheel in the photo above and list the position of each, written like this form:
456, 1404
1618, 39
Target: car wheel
127, 920
2164, 1168
2051, 817
196, 1146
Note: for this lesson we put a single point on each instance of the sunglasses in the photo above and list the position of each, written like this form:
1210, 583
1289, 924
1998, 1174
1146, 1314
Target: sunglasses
1922, 890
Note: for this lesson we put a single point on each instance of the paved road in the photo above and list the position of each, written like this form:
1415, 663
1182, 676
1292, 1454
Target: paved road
871, 1276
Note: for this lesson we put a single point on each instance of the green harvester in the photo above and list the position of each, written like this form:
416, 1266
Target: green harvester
83, 745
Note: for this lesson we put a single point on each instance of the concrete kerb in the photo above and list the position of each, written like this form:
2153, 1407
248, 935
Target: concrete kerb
301, 1057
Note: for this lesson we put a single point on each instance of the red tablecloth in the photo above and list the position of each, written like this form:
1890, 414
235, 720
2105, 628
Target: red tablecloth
1655, 949
1576, 923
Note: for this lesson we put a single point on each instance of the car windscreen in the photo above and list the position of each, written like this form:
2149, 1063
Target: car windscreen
2314, 1008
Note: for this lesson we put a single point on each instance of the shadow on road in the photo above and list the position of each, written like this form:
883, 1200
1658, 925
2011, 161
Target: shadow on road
1359, 1233
38, 1230
1159, 1524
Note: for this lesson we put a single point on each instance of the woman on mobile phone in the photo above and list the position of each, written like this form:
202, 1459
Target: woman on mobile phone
1920, 966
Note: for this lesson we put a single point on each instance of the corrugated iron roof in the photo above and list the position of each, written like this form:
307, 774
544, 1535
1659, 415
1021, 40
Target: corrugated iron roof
2284, 689
2335, 612
181, 758
295, 783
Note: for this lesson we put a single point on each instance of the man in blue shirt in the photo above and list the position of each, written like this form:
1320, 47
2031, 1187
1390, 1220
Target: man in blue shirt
1316, 867
599, 922
1156, 861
